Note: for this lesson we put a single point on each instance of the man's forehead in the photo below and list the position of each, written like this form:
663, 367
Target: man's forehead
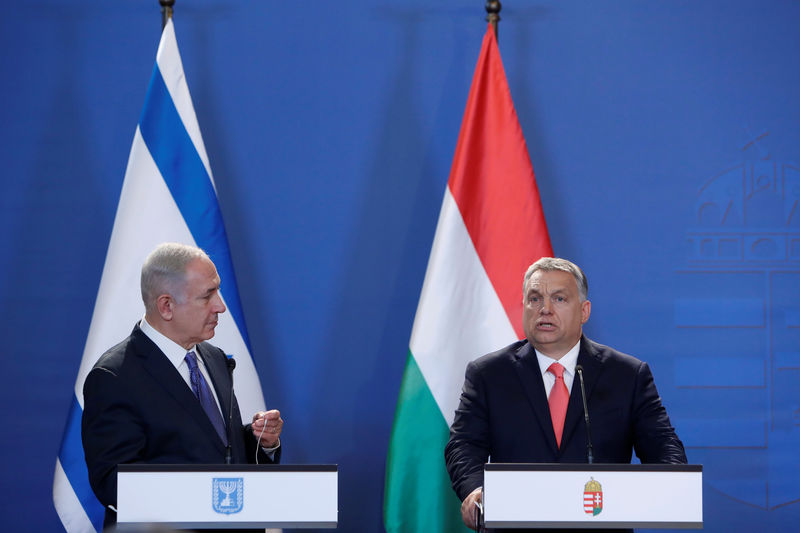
551, 280
211, 280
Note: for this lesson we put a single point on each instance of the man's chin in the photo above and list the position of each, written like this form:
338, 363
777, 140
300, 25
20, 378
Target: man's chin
546, 344
545, 339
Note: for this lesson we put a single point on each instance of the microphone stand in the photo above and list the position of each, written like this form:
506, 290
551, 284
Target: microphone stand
231, 362
589, 454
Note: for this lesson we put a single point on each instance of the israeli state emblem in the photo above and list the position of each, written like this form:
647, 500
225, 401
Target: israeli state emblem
592, 497
227, 494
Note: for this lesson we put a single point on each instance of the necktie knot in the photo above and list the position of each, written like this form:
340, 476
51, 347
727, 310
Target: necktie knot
557, 370
191, 360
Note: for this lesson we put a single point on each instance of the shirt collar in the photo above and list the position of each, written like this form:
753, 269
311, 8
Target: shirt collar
174, 351
569, 360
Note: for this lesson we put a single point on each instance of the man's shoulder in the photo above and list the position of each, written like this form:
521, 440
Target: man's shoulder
608, 355
116, 357
504, 356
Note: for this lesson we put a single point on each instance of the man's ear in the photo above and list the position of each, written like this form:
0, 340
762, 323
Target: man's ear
165, 305
586, 310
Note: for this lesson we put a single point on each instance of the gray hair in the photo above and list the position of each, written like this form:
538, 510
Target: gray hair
550, 264
164, 271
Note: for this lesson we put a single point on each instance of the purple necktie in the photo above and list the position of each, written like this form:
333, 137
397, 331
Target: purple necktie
203, 393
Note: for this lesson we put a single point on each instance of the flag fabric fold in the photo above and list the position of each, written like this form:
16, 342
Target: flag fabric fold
168, 194
491, 227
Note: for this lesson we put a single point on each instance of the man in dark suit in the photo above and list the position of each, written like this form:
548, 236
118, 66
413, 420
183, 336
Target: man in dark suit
522, 404
163, 394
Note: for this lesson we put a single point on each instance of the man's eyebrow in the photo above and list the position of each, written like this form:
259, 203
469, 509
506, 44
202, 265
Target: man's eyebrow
555, 291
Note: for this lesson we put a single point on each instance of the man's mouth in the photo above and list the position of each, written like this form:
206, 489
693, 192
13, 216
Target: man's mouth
546, 326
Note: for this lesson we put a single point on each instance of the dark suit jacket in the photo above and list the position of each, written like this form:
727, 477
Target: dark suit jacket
138, 409
504, 416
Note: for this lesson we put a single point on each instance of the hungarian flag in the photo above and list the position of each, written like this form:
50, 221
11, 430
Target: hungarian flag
491, 228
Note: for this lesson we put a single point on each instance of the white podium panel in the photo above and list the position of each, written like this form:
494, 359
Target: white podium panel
593, 496
228, 496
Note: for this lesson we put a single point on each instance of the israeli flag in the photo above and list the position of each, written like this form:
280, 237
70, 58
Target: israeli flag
168, 195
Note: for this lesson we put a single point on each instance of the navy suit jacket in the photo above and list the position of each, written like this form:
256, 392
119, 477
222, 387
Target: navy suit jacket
138, 409
503, 416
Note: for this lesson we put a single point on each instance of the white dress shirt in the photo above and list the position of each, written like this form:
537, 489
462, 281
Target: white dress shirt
569, 360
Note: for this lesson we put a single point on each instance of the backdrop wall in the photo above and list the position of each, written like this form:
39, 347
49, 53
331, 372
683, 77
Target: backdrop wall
664, 137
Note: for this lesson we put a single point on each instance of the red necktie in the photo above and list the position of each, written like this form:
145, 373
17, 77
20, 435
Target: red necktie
558, 400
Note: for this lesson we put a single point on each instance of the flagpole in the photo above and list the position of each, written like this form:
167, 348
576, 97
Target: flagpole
166, 11
493, 15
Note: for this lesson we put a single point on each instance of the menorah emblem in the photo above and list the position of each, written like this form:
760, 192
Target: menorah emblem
228, 495
227, 487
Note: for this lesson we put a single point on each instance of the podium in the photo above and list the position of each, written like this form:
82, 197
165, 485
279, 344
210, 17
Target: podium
227, 496
596, 496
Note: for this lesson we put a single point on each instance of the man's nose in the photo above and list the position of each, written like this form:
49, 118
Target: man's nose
219, 305
545, 309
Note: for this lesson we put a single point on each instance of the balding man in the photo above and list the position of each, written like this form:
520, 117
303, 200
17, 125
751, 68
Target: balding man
162, 395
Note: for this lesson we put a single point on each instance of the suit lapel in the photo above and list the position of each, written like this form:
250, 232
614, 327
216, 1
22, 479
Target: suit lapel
166, 375
527, 367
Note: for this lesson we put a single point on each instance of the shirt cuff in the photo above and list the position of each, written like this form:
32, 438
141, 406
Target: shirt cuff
271, 451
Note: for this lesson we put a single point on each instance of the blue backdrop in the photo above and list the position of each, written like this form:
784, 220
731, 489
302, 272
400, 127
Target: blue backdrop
664, 137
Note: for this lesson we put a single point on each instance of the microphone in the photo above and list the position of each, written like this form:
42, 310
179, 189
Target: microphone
589, 454
231, 362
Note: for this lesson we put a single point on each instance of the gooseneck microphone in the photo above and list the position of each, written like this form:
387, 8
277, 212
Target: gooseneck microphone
589, 454
228, 450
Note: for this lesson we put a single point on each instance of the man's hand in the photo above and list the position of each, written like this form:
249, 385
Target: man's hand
469, 508
267, 426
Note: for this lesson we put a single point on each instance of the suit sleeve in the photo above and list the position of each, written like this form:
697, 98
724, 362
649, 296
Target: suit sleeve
111, 431
468, 448
655, 440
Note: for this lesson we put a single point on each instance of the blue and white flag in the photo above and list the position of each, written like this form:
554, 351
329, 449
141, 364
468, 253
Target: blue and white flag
168, 195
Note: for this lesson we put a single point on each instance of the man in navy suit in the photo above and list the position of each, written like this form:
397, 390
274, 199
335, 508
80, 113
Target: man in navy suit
143, 399
522, 404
